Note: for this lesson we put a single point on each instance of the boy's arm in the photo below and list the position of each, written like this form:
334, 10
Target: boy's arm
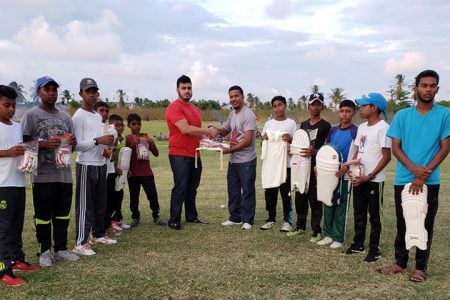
421, 172
13, 151
385, 159
152, 147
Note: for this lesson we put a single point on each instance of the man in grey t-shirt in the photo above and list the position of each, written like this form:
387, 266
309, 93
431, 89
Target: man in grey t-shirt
241, 124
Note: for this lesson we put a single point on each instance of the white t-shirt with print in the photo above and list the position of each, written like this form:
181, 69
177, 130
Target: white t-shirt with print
370, 140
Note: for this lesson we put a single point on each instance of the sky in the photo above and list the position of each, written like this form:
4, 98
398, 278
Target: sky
268, 47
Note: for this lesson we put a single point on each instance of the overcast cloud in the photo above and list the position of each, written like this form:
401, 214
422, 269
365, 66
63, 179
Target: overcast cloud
268, 47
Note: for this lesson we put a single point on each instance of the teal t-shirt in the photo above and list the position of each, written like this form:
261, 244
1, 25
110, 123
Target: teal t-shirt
420, 137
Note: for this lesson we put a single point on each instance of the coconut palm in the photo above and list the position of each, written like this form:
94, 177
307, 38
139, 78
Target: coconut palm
336, 96
315, 89
19, 90
121, 95
250, 100
302, 102
66, 96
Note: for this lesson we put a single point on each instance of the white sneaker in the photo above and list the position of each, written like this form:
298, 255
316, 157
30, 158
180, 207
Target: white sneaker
325, 241
286, 227
267, 226
335, 245
46, 259
84, 250
105, 240
124, 225
246, 226
230, 223
66, 255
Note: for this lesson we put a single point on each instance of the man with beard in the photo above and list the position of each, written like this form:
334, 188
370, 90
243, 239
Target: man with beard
428, 125
184, 121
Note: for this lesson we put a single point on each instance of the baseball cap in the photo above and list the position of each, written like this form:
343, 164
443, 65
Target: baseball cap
315, 97
375, 99
86, 83
43, 81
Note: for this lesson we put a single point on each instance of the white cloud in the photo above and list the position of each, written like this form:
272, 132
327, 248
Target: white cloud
324, 53
408, 62
278, 9
76, 40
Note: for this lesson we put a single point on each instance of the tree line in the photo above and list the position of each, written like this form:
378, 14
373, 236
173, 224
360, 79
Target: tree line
400, 95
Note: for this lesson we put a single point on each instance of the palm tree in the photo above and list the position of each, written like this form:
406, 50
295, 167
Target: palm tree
315, 89
121, 95
336, 96
250, 100
19, 90
66, 97
303, 102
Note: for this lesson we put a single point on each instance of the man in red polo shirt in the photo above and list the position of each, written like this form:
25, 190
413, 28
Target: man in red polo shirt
184, 120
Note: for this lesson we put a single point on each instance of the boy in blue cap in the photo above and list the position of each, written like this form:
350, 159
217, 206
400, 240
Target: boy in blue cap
51, 185
374, 153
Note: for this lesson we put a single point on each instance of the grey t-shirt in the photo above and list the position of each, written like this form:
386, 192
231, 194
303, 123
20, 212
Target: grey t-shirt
237, 124
39, 124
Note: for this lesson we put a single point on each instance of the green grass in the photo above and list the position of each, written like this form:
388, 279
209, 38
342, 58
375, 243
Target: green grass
209, 261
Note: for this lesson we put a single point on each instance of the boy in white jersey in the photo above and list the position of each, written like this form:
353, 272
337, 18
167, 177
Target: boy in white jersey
280, 123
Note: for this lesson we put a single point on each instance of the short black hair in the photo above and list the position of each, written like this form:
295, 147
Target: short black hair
427, 73
348, 103
236, 88
183, 79
133, 117
278, 98
100, 104
115, 117
7, 92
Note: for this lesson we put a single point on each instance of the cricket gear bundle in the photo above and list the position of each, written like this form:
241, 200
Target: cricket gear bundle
29, 161
123, 163
274, 157
210, 145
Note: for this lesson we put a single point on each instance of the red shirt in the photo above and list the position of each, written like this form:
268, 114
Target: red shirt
138, 167
182, 144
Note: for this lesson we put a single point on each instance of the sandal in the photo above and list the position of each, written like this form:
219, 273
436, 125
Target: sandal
418, 276
391, 270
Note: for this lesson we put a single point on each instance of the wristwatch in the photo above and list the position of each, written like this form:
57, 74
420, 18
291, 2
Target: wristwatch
95, 142
371, 176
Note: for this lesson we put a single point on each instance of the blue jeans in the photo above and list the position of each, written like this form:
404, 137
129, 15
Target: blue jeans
241, 191
186, 180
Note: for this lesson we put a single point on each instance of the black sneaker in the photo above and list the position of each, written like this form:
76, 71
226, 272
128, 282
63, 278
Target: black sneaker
373, 256
354, 250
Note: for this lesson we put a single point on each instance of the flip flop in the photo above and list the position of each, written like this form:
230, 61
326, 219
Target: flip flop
391, 270
418, 276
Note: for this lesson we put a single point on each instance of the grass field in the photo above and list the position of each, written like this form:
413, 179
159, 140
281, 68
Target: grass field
210, 261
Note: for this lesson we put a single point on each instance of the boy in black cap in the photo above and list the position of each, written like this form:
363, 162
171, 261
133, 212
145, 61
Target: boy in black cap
90, 204
52, 185
317, 129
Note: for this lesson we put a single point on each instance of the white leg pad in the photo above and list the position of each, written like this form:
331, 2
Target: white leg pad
328, 161
123, 163
415, 209
300, 166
